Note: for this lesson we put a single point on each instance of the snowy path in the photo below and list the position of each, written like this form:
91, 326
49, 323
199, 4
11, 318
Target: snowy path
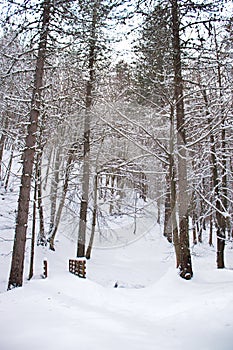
152, 308
51, 314
64, 312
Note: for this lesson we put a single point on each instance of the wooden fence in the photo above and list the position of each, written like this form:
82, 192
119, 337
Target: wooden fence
78, 267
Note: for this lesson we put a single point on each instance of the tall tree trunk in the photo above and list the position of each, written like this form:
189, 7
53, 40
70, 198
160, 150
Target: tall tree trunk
112, 179
2, 144
159, 211
8, 170
85, 187
54, 190
94, 216
194, 218
31, 265
185, 265
17, 264
48, 168
220, 220
86, 149
41, 240
172, 176
167, 211
95, 204
200, 231
62, 202
211, 231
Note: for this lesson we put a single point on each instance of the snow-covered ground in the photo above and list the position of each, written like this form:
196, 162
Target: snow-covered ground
152, 307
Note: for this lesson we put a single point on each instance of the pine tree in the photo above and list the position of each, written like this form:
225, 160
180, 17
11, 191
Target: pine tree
17, 265
95, 14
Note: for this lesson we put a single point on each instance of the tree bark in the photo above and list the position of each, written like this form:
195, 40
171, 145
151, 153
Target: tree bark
31, 266
172, 176
94, 216
211, 231
185, 265
62, 202
17, 264
41, 237
220, 220
86, 149
48, 168
8, 170
54, 190
167, 212
2, 143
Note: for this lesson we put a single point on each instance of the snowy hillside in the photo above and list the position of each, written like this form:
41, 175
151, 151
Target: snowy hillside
152, 307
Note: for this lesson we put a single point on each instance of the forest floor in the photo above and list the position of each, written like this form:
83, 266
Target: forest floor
151, 308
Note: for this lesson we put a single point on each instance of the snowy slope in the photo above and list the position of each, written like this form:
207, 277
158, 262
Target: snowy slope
152, 308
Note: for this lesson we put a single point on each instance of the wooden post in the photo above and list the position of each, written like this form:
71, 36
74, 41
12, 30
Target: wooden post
45, 274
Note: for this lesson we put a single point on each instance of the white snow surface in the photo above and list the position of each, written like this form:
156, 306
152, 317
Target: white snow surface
152, 307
